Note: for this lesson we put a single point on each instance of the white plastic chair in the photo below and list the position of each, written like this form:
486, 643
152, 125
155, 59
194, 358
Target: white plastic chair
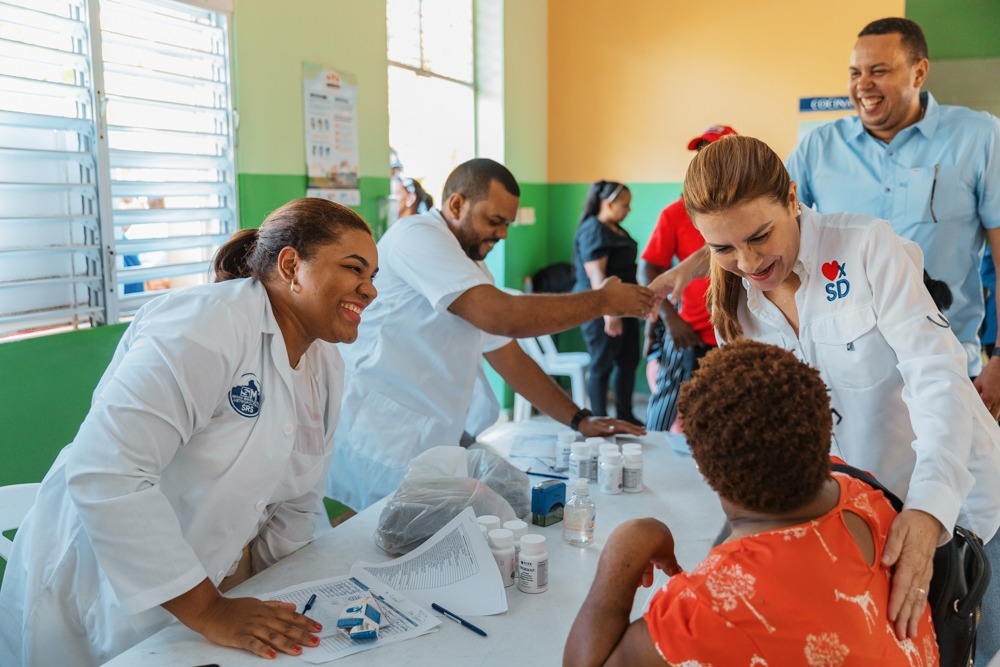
15, 501
573, 365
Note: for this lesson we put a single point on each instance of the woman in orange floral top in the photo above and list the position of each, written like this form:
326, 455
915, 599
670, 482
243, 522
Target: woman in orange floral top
799, 581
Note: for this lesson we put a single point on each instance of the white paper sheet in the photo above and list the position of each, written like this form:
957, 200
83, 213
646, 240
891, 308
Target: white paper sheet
401, 617
454, 568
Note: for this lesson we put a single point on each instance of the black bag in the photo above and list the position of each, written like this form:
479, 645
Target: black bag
961, 575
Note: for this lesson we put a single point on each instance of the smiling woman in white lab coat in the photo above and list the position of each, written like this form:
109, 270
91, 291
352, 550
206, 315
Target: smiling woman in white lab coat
204, 456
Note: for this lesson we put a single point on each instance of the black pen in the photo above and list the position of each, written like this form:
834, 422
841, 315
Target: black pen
309, 605
458, 619
545, 474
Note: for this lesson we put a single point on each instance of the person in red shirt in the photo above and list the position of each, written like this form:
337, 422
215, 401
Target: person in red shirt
801, 579
679, 338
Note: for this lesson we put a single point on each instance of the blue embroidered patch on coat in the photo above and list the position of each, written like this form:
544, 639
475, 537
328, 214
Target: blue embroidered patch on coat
245, 398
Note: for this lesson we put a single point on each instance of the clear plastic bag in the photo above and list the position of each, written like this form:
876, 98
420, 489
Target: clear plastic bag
442, 482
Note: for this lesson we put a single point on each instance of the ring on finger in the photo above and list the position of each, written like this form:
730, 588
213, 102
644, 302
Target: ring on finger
922, 591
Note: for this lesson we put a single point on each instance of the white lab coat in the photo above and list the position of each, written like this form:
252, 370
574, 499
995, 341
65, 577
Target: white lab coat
905, 407
414, 366
181, 462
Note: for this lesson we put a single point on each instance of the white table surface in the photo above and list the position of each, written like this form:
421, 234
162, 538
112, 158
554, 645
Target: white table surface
533, 630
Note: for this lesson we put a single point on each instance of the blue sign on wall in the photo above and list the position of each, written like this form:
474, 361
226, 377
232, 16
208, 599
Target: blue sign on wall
807, 104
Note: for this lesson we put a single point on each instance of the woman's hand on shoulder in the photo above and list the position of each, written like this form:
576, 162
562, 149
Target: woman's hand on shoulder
909, 550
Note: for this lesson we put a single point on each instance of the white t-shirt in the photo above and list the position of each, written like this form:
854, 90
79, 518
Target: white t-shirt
411, 373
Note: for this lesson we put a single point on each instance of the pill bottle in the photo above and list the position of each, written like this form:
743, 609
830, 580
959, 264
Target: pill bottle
533, 564
595, 447
502, 546
564, 443
610, 476
579, 515
519, 529
632, 472
579, 461
490, 521
607, 448
632, 447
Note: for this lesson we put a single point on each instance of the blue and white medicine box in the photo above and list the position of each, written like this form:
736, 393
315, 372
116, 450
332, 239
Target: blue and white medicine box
547, 501
361, 619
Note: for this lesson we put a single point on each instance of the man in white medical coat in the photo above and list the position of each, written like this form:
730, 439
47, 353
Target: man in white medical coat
410, 378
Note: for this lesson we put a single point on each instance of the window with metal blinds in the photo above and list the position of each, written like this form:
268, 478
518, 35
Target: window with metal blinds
116, 157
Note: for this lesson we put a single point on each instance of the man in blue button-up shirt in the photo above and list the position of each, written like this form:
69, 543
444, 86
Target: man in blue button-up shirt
932, 170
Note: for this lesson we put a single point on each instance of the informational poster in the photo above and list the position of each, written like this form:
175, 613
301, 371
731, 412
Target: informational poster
331, 124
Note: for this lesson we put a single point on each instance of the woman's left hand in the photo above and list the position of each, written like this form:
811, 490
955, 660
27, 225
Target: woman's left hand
913, 538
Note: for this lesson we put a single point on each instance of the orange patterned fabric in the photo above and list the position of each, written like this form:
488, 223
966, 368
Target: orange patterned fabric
802, 595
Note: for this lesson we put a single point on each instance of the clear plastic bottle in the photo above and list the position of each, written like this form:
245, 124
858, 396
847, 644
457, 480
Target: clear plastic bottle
579, 515
533, 564
610, 474
502, 546
632, 472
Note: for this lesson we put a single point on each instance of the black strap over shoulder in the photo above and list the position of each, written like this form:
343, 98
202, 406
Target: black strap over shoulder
961, 575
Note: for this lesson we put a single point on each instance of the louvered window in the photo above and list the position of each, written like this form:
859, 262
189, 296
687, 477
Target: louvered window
116, 160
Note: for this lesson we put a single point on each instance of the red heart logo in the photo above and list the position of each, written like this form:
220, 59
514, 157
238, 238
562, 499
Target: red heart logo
831, 270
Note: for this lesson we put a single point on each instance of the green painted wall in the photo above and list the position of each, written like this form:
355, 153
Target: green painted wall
45, 394
270, 42
958, 29
565, 202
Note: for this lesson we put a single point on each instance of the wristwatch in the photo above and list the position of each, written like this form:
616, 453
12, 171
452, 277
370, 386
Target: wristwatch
582, 414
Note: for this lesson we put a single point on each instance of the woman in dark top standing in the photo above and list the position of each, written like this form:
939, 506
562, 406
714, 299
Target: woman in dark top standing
602, 249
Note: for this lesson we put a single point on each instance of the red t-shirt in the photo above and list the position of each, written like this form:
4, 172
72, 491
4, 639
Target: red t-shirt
802, 595
675, 235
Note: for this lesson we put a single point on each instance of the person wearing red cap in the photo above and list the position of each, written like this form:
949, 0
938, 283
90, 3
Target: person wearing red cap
713, 133
679, 337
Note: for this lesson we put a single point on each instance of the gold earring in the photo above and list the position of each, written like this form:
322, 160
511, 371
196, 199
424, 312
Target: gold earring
295, 289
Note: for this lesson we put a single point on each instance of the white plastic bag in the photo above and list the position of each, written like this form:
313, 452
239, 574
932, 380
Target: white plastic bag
439, 484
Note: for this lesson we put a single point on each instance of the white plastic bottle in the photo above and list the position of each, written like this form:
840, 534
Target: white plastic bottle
610, 474
579, 515
564, 444
533, 564
579, 461
632, 472
595, 447
490, 521
632, 447
519, 529
502, 546
607, 448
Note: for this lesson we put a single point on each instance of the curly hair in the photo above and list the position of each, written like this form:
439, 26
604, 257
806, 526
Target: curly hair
758, 422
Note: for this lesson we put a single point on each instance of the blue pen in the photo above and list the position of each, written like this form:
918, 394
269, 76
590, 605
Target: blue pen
458, 619
309, 605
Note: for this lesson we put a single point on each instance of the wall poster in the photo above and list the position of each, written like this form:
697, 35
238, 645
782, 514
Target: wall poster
331, 124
